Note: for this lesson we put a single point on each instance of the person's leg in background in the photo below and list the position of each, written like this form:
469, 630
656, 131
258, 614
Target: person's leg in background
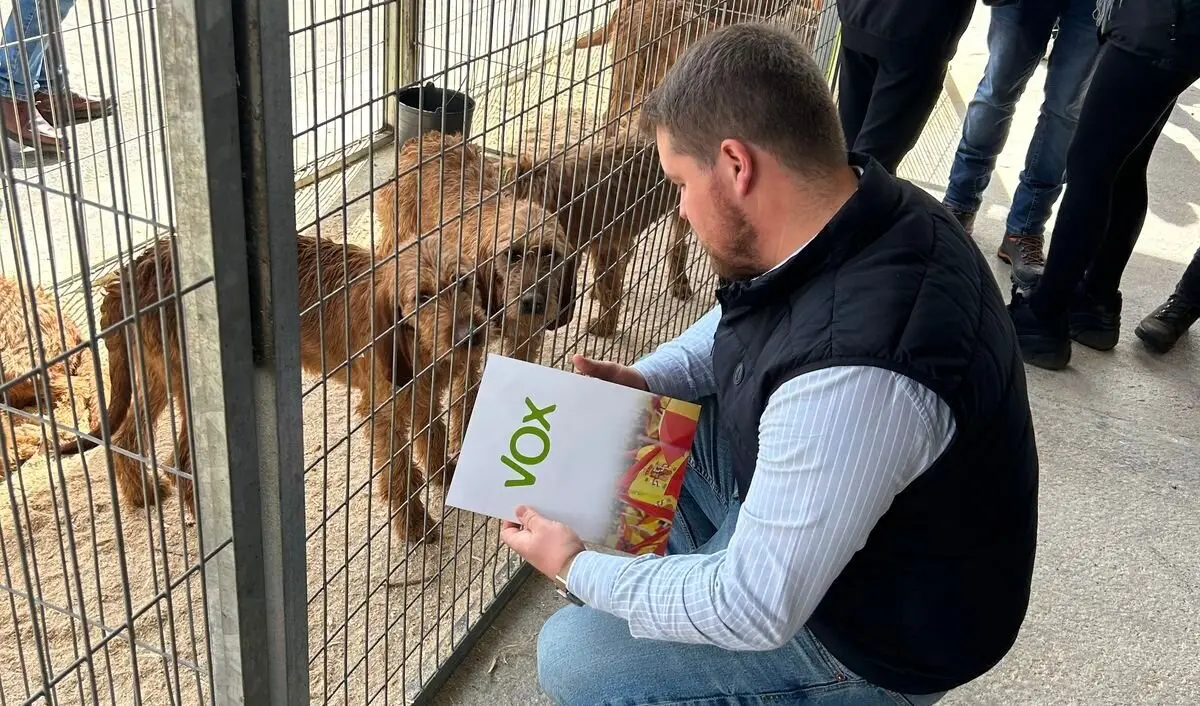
904, 51
1040, 183
654, 671
1124, 102
1095, 311
20, 120
1164, 326
1017, 37
81, 106
856, 81
27, 111
905, 92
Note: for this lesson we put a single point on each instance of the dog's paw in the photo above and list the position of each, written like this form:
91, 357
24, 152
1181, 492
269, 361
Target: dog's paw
149, 494
447, 473
428, 535
681, 289
603, 326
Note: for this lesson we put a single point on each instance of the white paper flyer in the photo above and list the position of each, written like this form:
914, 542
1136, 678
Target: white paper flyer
605, 459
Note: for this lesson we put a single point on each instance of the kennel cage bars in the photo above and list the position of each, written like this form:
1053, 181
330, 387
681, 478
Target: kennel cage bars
226, 80
404, 67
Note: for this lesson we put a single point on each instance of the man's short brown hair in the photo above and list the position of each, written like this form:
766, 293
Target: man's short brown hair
751, 82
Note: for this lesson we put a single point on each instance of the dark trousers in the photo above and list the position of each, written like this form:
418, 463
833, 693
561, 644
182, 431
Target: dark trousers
1104, 205
884, 102
1189, 284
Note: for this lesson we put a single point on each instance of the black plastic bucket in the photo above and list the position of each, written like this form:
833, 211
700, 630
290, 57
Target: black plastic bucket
425, 108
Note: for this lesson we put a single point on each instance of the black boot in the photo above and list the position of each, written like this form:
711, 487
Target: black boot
965, 218
1166, 324
1095, 323
1043, 344
1024, 254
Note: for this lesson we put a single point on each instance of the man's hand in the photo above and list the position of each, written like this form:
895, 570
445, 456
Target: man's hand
548, 545
612, 372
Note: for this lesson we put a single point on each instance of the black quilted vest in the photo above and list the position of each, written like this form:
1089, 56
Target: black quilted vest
937, 595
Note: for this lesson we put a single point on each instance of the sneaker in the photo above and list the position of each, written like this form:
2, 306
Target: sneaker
965, 218
1024, 254
1167, 324
1094, 323
1043, 345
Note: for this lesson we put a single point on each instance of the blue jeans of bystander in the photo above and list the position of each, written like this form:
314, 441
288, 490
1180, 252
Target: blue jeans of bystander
26, 17
1017, 38
586, 657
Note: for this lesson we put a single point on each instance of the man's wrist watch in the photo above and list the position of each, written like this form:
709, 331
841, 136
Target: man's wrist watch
560, 584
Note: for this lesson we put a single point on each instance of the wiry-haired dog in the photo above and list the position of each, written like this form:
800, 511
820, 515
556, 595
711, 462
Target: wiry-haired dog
605, 192
22, 322
648, 36
351, 328
720, 12
521, 253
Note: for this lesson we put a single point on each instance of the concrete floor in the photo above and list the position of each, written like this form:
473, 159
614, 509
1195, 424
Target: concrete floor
1115, 615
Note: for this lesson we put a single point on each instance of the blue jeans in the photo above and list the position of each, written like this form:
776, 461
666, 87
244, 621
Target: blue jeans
586, 657
14, 82
1017, 38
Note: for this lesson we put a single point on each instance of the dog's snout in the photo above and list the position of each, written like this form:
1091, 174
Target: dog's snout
532, 303
468, 333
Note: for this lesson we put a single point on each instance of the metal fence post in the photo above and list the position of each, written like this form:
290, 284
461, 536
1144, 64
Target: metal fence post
402, 52
227, 109
828, 42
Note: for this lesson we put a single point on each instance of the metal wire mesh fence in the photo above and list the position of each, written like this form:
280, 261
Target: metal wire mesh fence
98, 605
266, 343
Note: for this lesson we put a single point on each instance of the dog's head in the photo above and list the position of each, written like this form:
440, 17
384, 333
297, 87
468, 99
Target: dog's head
436, 304
532, 271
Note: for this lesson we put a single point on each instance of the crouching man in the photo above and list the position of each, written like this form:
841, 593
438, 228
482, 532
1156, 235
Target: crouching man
858, 521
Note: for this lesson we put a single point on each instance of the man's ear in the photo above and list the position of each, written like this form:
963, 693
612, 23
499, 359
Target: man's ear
737, 158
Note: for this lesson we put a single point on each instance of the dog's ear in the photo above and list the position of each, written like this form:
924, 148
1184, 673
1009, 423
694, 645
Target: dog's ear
403, 354
511, 168
524, 163
396, 343
566, 292
490, 279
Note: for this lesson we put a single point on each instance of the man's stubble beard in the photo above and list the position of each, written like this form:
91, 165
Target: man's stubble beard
738, 259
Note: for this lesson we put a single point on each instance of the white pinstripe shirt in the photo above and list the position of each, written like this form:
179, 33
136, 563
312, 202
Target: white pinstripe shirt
835, 446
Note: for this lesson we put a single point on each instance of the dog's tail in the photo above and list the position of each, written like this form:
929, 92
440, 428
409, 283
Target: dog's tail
120, 383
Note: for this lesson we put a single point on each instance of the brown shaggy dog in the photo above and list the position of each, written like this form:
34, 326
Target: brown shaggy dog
20, 327
519, 250
436, 309
606, 192
648, 37
720, 11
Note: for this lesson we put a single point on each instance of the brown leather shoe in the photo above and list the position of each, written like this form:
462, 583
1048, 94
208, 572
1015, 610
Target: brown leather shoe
83, 108
25, 125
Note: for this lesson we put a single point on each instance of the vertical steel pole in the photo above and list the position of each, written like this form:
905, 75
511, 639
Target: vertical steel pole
227, 111
403, 63
263, 51
828, 41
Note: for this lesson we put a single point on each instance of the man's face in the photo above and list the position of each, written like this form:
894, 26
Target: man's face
707, 201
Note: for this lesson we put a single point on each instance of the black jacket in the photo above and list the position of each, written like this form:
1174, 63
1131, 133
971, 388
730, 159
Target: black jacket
1165, 32
939, 591
904, 29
